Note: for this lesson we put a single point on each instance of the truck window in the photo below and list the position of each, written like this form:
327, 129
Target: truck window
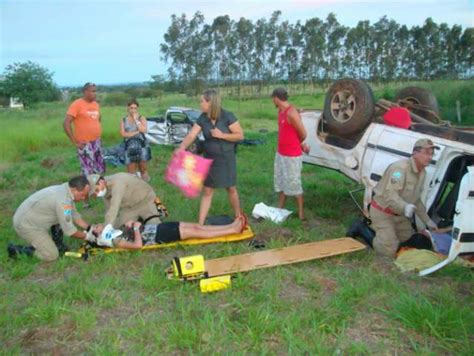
177, 117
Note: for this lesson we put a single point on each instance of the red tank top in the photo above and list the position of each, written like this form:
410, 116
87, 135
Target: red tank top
288, 141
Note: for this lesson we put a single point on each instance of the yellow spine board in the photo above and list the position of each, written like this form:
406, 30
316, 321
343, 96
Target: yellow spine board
245, 235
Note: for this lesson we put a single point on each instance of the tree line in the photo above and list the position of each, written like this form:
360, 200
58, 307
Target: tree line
228, 52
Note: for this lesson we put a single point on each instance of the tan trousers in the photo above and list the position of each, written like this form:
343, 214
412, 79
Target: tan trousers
390, 231
41, 240
143, 211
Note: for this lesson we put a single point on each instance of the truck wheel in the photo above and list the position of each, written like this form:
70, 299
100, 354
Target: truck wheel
348, 107
420, 96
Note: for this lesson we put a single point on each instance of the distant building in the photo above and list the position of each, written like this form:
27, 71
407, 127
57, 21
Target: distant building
13, 103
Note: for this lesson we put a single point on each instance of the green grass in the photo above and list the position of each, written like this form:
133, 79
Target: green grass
122, 303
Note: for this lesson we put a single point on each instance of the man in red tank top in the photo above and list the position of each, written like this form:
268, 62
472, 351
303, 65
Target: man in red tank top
288, 158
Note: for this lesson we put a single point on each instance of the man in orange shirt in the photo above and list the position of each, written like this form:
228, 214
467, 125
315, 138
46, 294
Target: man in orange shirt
84, 115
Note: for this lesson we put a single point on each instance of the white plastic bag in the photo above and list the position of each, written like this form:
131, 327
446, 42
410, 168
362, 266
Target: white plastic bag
277, 215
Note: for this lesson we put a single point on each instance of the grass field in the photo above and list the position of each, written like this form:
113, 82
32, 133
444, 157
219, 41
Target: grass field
122, 303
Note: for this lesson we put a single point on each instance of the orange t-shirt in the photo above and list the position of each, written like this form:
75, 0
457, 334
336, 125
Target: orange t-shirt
86, 120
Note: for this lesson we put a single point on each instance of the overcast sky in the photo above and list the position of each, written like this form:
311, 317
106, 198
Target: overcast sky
117, 41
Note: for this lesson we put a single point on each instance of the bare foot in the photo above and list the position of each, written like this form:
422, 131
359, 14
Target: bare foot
244, 219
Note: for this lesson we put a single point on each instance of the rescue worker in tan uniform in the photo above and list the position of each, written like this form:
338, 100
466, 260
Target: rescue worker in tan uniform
397, 198
50, 206
126, 198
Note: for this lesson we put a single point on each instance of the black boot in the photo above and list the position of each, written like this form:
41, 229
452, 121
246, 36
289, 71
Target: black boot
15, 250
57, 234
360, 228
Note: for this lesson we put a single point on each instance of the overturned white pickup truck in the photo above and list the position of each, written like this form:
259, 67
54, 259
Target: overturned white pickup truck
173, 127
349, 136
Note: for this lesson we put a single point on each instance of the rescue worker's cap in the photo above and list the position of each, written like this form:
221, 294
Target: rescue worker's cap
425, 143
93, 180
109, 233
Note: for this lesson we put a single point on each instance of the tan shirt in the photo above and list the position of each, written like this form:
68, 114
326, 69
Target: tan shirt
125, 191
402, 184
49, 206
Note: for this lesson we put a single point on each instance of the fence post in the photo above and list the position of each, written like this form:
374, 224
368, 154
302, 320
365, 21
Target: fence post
458, 110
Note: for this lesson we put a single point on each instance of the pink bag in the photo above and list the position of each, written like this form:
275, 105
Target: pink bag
188, 172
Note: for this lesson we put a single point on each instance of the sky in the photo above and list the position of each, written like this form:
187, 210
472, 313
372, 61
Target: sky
118, 41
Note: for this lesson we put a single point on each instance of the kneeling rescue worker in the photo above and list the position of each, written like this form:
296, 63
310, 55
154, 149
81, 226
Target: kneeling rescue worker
41, 217
397, 198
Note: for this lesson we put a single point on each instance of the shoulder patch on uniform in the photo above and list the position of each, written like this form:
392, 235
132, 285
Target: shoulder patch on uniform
396, 177
67, 209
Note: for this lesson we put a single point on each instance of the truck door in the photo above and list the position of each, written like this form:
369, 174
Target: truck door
463, 229
447, 185
386, 145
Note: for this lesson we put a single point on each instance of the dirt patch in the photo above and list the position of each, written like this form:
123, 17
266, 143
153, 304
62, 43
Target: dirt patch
328, 286
4, 167
294, 292
51, 163
375, 333
43, 340
277, 233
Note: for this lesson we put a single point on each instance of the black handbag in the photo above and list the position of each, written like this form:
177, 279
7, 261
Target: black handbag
134, 146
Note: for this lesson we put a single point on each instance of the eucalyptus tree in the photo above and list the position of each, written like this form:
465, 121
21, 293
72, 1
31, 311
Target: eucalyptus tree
418, 45
264, 33
452, 49
243, 43
221, 53
314, 47
387, 49
188, 46
405, 66
467, 53
280, 67
292, 57
276, 40
356, 61
433, 55
335, 51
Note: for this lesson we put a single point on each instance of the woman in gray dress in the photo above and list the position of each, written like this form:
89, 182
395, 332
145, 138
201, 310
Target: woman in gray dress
221, 131
137, 151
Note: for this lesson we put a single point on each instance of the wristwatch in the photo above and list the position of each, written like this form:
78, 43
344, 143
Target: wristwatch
135, 228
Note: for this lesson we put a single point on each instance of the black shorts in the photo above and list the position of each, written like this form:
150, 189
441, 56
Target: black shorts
167, 232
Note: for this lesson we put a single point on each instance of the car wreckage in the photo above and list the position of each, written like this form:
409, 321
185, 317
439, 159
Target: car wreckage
350, 136
173, 127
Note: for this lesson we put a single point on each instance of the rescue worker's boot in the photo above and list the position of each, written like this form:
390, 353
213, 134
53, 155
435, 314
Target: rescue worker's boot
15, 250
57, 234
360, 228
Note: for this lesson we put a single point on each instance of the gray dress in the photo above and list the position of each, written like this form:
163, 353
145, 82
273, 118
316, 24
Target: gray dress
223, 172
137, 147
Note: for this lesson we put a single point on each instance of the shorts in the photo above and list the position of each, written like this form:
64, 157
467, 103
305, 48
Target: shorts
287, 174
167, 232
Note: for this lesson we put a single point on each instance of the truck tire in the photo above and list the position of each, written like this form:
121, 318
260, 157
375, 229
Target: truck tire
348, 107
420, 96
